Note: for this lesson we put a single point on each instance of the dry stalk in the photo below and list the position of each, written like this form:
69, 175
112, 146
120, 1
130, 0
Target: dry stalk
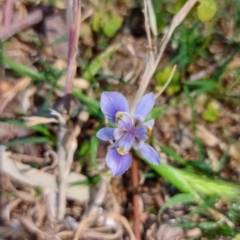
146, 23
8, 31
83, 230
12, 92
8, 12
29, 225
50, 154
152, 61
74, 21
99, 198
136, 214
65, 159
28, 158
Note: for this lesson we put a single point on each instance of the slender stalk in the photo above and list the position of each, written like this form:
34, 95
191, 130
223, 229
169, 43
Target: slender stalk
8, 11
154, 61
147, 28
136, 215
8, 31
74, 12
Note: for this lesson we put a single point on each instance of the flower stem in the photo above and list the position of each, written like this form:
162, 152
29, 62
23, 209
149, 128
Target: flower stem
136, 215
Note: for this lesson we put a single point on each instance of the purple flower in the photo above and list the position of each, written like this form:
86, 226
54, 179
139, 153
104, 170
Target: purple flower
131, 130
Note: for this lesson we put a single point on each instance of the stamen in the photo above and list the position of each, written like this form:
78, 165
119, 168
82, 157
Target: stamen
119, 116
149, 132
121, 151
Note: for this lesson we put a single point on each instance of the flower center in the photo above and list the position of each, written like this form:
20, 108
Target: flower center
149, 132
121, 151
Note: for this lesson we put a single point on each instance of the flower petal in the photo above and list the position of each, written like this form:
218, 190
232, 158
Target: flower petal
111, 103
137, 120
119, 133
145, 105
124, 121
106, 134
150, 154
138, 143
125, 143
141, 132
117, 163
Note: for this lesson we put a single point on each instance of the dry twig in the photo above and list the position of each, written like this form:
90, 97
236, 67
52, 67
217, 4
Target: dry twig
8, 31
136, 214
152, 61
74, 21
8, 10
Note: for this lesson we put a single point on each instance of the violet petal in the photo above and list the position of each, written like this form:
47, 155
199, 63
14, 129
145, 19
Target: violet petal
145, 105
111, 103
117, 163
149, 123
124, 121
137, 120
141, 132
125, 143
150, 154
138, 143
119, 133
106, 134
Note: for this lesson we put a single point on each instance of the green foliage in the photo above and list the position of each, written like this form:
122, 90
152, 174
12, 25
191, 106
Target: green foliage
84, 149
22, 70
30, 140
182, 198
175, 177
93, 149
170, 152
174, 7
196, 184
93, 105
155, 113
109, 22
237, 237
211, 113
111, 25
162, 76
206, 10
96, 64
201, 86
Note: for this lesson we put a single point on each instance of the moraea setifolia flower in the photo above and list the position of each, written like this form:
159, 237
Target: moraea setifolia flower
131, 130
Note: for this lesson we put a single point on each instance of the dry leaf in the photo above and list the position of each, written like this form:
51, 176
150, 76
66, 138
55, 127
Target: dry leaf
33, 177
8, 95
206, 136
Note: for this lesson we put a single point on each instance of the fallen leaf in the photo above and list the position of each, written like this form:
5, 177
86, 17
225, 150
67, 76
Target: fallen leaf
33, 177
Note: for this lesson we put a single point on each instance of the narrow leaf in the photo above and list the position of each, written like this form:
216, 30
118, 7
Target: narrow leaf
173, 154
97, 63
175, 177
32, 140
93, 149
177, 199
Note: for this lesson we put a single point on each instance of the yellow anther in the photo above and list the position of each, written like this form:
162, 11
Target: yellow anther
121, 151
119, 116
149, 132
